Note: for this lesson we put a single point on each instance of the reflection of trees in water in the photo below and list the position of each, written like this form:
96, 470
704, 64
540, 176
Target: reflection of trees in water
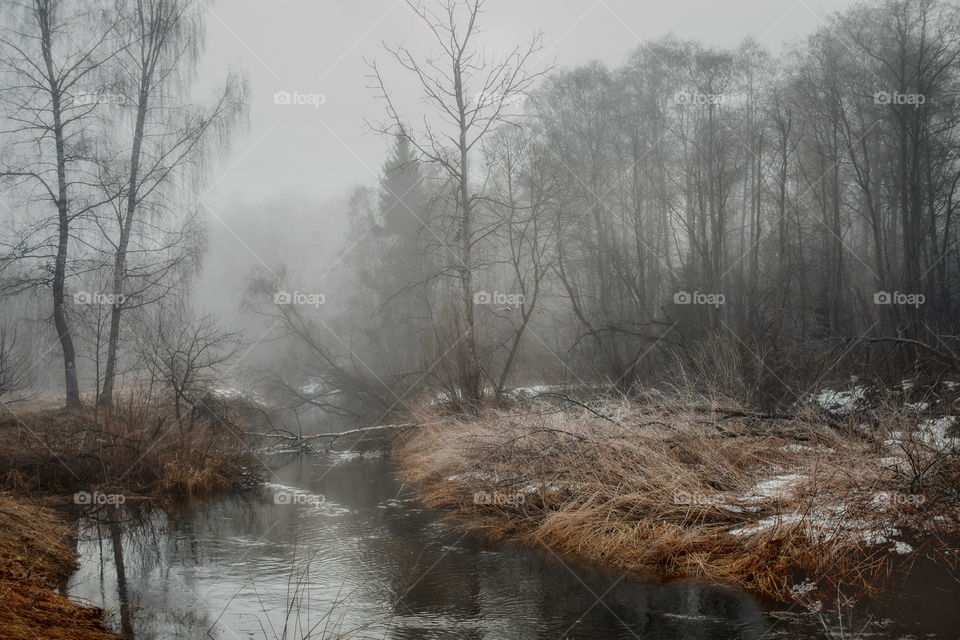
523, 594
138, 583
396, 567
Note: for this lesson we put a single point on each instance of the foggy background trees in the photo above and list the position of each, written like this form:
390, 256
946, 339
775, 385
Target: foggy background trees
752, 220
743, 216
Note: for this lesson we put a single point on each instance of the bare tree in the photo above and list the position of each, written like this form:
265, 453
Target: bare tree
469, 94
161, 45
184, 352
59, 46
524, 195
13, 364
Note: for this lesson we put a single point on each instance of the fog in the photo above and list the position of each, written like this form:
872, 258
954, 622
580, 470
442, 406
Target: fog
669, 286
624, 184
319, 46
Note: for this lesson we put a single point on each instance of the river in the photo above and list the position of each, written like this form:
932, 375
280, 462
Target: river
334, 544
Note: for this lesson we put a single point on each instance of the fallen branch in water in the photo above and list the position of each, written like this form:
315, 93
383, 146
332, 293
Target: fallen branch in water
289, 436
359, 430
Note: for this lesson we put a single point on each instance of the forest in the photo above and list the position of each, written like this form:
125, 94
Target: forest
694, 314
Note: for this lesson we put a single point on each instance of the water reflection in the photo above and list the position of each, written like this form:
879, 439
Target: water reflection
349, 551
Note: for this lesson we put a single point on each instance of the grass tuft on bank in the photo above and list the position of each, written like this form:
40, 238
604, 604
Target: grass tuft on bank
694, 487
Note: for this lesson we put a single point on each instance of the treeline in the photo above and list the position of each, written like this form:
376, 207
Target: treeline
758, 221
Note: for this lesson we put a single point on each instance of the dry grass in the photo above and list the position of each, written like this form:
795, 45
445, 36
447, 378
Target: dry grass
690, 488
35, 559
137, 449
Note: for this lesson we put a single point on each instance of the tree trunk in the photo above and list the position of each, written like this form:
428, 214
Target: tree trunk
120, 259
71, 386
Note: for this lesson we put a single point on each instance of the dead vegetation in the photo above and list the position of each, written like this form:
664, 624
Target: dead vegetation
34, 560
136, 448
692, 487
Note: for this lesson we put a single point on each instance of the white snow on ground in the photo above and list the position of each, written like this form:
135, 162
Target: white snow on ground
775, 487
821, 523
228, 393
841, 402
538, 389
767, 523
528, 487
896, 463
802, 448
232, 393
827, 523
901, 547
475, 475
522, 392
916, 407
312, 387
935, 432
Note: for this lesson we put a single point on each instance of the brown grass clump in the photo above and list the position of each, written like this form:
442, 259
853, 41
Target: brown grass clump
135, 449
34, 559
182, 478
690, 488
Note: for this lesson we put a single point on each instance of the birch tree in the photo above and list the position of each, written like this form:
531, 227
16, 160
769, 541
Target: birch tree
49, 55
167, 140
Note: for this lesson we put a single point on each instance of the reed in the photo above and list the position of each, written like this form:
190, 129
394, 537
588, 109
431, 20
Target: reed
686, 486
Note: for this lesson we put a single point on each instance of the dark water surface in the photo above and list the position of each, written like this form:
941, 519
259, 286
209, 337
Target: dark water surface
335, 544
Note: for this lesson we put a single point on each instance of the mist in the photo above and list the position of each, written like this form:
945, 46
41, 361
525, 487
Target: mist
614, 291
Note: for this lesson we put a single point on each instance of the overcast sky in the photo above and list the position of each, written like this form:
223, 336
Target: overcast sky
318, 47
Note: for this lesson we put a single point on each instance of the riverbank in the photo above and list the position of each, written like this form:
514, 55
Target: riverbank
96, 459
136, 450
35, 559
785, 507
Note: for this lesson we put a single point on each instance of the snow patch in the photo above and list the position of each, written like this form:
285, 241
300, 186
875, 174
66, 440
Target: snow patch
829, 523
773, 488
803, 448
841, 403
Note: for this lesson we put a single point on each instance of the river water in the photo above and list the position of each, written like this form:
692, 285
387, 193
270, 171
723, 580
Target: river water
334, 546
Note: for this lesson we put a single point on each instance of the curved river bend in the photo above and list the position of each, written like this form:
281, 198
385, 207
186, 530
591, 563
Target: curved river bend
336, 544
